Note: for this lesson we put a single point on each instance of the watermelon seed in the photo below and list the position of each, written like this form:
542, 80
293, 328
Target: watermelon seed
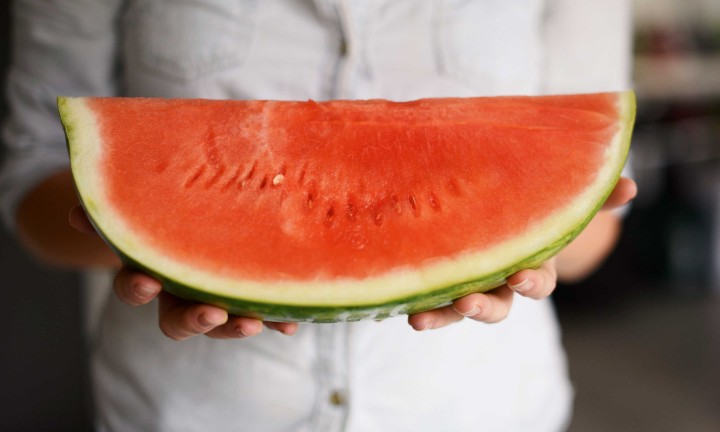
193, 178
310, 199
278, 179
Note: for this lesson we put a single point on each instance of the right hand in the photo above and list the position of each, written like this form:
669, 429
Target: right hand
178, 318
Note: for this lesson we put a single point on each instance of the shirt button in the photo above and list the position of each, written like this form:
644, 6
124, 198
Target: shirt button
343, 48
337, 398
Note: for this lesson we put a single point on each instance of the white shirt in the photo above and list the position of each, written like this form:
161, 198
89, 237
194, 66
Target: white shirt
366, 376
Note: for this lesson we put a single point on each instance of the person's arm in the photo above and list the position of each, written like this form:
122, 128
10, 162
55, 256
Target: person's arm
42, 227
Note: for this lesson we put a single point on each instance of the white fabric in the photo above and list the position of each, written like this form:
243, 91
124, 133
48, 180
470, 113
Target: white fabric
469, 376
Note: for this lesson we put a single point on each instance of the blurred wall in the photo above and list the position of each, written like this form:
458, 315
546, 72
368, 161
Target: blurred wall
671, 242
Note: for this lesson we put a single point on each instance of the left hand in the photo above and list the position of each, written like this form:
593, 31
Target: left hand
494, 306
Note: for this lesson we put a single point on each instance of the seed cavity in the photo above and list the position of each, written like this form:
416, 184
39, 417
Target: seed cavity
413, 204
454, 186
251, 173
309, 200
434, 203
263, 183
396, 204
195, 176
247, 178
233, 178
301, 177
161, 167
330, 215
218, 174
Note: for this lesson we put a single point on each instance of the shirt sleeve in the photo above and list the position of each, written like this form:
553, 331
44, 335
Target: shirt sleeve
588, 46
58, 48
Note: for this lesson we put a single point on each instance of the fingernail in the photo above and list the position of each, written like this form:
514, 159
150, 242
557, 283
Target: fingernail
472, 312
428, 326
524, 286
143, 291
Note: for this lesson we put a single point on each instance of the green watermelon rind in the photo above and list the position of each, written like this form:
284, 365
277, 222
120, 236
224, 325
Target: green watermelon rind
431, 298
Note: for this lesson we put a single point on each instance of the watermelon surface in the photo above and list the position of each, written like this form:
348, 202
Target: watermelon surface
343, 210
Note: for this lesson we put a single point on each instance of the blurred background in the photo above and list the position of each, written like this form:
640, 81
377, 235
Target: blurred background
643, 334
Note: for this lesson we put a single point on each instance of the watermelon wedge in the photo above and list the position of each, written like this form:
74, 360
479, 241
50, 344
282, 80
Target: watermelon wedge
343, 210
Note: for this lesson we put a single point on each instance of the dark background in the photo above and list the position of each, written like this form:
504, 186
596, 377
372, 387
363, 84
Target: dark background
43, 380
643, 334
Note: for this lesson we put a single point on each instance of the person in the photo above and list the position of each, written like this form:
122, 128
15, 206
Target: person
453, 373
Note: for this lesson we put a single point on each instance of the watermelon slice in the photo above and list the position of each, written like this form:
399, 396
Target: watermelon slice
343, 210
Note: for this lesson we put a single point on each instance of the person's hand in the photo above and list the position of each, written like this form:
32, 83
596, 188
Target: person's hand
178, 319
494, 306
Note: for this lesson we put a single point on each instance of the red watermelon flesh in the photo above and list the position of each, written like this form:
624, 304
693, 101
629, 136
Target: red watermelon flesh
277, 191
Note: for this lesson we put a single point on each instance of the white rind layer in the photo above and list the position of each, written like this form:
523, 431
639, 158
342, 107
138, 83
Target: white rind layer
85, 147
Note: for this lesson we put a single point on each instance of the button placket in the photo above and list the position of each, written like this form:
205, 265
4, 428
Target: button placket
333, 404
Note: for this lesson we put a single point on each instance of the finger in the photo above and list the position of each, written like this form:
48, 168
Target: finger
78, 219
236, 327
135, 288
625, 190
434, 319
179, 319
536, 283
286, 328
490, 307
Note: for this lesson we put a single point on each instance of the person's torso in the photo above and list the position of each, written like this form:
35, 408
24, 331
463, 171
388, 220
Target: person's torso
363, 376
